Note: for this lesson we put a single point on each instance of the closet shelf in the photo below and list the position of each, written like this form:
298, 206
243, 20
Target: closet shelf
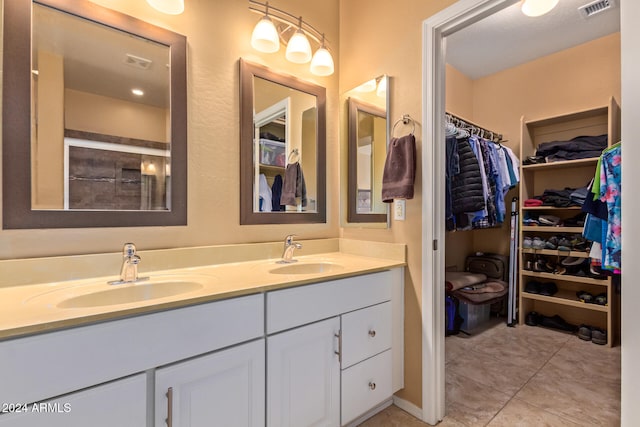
545, 229
566, 297
566, 278
554, 252
271, 168
562, 164
550, 208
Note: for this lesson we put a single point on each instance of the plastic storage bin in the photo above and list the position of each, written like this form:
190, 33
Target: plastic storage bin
474, 315
272, 153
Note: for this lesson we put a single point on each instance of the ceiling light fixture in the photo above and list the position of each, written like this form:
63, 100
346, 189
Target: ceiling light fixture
137, 92
535, 8
170, 7
277, 25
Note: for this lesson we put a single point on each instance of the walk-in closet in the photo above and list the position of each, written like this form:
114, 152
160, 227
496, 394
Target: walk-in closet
532, 143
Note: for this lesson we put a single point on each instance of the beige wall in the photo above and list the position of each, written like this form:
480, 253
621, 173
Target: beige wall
218, 34
110, 116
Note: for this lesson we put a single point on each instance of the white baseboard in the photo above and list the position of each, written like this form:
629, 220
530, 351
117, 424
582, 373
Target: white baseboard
370, 413
407, 406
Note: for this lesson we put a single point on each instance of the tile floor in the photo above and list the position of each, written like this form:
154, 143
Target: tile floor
524, 376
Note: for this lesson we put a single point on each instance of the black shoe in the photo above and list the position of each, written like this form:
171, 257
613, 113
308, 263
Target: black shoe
598, 336
548, 289
557, 322
532, 319
532, 287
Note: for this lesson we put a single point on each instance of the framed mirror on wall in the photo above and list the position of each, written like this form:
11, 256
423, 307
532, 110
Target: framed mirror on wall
282, 148
94, 118
366, 132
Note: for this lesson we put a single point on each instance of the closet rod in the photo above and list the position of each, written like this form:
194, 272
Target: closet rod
497, 135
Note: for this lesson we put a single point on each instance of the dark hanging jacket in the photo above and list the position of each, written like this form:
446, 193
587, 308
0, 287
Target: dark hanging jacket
466, 186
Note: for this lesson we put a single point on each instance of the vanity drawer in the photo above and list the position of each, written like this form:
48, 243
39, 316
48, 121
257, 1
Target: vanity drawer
301, 305
365, 333
366, 385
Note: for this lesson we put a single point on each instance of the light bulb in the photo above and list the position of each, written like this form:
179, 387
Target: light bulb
535, 8
322, 62
299, 49
170, 7
265, 36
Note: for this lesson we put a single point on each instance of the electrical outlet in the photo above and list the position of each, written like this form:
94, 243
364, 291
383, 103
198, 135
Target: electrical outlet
399, 209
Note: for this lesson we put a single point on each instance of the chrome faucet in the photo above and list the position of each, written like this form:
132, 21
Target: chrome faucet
129, 270
289, 247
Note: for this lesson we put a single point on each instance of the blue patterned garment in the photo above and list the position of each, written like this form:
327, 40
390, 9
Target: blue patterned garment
610, 192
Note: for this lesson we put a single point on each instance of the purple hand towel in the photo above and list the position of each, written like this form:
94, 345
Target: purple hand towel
399, 169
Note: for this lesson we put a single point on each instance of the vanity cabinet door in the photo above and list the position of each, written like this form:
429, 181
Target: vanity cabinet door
303, 374
225, 388
120, 403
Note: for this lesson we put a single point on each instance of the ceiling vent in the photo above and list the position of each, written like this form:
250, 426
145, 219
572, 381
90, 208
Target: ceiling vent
595, 7
137, 61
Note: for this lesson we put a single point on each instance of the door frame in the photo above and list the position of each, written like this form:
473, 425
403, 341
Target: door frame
434, 30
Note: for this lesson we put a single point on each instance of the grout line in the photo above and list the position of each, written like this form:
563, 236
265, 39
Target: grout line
527, 382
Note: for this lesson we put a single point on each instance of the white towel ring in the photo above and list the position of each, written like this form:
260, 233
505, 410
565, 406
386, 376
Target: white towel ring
405, 120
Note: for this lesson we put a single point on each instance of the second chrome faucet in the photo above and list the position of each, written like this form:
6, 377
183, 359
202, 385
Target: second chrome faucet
289, 247
129, 269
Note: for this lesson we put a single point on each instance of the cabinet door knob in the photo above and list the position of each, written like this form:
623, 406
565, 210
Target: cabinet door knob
372, 333
372, 385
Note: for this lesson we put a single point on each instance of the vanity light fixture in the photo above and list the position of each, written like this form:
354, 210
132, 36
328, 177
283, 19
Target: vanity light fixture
536, 8
299, 48
265, 36
322, 61
277, 25
170, 7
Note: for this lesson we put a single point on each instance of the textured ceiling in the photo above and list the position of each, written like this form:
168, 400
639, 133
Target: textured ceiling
509, 38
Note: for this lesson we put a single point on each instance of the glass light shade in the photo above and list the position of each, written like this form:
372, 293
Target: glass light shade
299, 49
322, 62
535, 8
265, 36
170, 7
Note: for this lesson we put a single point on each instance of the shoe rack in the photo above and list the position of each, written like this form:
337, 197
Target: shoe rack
536, 178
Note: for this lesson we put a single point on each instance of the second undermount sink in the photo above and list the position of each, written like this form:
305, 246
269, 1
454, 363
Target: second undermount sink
134, 292
307, 268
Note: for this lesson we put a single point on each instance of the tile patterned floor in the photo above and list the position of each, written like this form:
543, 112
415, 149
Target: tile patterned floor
523, 376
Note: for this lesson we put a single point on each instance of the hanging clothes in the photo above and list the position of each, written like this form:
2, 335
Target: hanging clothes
479, 175
610, 192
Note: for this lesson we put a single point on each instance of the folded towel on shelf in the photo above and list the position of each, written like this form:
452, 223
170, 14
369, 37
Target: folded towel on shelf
293, 185
399, 169
459, 279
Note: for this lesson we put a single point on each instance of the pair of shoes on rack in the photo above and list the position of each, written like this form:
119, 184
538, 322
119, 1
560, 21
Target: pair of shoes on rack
555, 322
588, 298
547, 288
593, 334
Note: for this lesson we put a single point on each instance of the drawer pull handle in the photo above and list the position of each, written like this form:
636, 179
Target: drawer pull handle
372, 333
169, 419
372, 385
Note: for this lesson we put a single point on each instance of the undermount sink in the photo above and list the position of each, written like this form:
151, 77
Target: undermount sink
307, 268
134, 292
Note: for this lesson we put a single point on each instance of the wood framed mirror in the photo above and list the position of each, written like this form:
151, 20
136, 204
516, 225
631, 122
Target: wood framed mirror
76, 149
368, 129
282, 148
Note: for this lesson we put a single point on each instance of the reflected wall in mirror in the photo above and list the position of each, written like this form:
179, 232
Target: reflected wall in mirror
97, 118
367, 140
282, 148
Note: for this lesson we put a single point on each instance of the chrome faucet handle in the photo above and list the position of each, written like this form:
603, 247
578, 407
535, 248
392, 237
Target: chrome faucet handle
288, 241
129, 250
